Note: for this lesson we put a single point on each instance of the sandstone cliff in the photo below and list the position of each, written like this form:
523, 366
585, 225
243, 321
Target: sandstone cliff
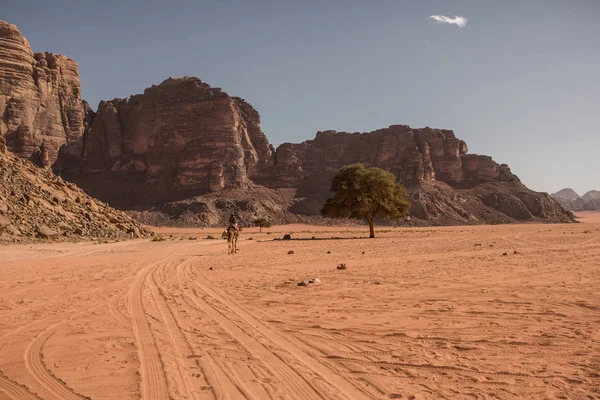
447, 185
41, 111
179, 138
36, 204
571, 201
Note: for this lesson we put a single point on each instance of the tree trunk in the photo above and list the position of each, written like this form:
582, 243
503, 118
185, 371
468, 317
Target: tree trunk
371, 230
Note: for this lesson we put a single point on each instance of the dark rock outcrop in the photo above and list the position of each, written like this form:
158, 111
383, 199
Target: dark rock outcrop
571, 201
41, 111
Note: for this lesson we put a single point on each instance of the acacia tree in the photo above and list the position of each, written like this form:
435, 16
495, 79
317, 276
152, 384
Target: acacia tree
262, 223
369, 193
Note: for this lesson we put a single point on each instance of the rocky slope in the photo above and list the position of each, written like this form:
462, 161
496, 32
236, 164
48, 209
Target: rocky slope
36, 204
41, 111
571, 201
183, 139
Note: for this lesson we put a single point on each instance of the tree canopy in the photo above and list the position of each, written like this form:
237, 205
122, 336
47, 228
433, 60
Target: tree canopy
369, 193
262, 223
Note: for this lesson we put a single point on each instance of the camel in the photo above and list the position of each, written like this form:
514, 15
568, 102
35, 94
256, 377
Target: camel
232, 238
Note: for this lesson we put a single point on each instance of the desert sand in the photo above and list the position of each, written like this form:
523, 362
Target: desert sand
419, 313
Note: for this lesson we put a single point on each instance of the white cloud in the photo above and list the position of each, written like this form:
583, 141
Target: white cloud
461, 22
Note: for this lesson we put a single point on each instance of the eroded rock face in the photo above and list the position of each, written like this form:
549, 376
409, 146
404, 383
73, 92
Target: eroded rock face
411, 154
181, 136
41, 111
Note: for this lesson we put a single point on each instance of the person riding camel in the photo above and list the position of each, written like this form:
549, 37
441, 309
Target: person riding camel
232, 223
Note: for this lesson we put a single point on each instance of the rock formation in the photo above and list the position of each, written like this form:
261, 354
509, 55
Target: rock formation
177, 139
41, 111
183, 139
447, 185
36, 204
571, 201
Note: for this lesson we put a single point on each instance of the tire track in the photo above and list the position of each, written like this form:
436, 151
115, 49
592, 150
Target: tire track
153, 383
14, 390
113, 307
34, 361
179, 343
278, 367
288, 377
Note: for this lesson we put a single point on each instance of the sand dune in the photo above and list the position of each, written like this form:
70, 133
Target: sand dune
419, 313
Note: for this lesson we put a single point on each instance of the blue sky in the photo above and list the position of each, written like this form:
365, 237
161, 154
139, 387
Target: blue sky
520, 82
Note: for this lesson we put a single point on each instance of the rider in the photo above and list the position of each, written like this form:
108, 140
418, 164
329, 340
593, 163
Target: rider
232, 223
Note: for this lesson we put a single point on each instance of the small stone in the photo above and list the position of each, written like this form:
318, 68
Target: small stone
291, 252
287, 236
192, 238
341, 266
477, 244
211, 268
364, 252
328, 252
504, 254
315, 280
515, 252
303, 283
376, 283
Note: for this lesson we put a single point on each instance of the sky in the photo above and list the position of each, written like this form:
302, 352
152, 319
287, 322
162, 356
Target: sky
518, 80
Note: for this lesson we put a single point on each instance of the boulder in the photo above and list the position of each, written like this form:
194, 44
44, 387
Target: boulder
46, 233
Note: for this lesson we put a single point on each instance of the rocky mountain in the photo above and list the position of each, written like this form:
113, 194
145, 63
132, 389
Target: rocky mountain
183, 140
41, 111
571, 201
178, 139
37, 204
592, 195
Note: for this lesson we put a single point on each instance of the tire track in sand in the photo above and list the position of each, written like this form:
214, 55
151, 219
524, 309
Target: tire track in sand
34, 361
179, 344
15, 391
153, 383
293, 382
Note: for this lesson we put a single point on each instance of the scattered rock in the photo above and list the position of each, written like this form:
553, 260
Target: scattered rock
303, 283
192, 238
341, 266
504, 254
4, 222
328, 252
287, 236
46, 233
376, 283
210, 237
315, 280
515, 252
291, 252
477, 244
364, 252
211, 268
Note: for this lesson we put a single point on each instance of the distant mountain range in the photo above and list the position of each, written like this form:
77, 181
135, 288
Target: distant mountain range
570, 200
